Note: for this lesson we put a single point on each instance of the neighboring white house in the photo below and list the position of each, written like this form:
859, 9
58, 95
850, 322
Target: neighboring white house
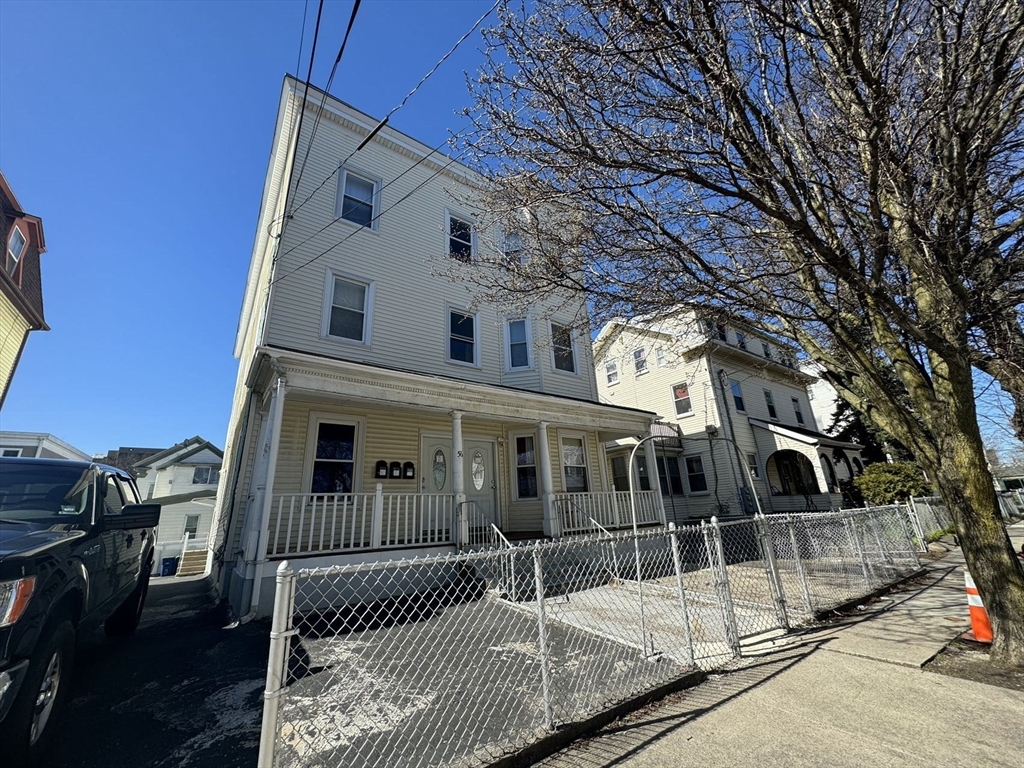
379, 410
39, 445
742, 408
823, 396
183, 478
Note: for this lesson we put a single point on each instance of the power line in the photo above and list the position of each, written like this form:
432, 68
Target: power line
302, 36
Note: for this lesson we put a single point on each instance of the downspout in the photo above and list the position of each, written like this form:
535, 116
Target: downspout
268, 498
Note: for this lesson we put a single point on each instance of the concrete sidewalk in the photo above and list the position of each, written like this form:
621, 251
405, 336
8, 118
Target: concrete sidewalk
848, 694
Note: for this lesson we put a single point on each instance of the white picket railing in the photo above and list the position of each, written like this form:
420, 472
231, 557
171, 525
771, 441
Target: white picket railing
576, 512
324, 523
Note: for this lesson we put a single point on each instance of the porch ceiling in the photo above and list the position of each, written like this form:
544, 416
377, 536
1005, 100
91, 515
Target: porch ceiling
326, 380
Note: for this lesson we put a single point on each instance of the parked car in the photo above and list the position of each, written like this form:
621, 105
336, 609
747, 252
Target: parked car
76, 551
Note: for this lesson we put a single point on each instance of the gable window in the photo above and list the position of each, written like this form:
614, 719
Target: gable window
769, 400
562, 346
574, 465
752, 464
695, 477
462, 346
659, 357
518, 344
334, 459
349, 311
11, 452
460, 238
681, 396
205, 476
526, 468
766, 350
357, 198
15, 248
796, 410
671, 481
741, 340
640, 360
191, 525
611, 372
737, 394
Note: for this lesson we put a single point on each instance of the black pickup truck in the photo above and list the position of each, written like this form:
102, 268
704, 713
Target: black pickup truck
76, 551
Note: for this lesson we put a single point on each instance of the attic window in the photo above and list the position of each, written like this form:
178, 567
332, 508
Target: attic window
205, 476
15, 248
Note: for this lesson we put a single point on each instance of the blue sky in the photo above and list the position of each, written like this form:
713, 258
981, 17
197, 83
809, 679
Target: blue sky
139, 132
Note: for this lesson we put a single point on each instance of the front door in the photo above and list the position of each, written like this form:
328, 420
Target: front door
479, 477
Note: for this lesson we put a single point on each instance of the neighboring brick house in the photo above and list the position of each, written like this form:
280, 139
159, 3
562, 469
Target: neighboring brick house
21, 290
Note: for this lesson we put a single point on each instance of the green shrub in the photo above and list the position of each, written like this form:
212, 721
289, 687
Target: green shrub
891, 483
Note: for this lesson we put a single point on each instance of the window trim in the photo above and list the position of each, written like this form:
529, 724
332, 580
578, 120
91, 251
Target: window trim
7, 453
769, 401
449, 308
659, 357
339, 198
184, 527
316, 418
574, 347
449, 214
798, 412
525, 319
641, 359
703, 471
368, 301
675, 400
205, 466
741, 340
12, 261
740, 407
615, 371
514, 474
754, 469
575, 435
766, 350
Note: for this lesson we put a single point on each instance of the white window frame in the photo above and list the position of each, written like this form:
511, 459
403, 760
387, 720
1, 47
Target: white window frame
575, 435
449, 308
689, 396
659, 357
212, 470
339, 198
449, 214
769, 402
10, 453
642, 358
611, 368
703, 471
12, 260
325, 320
184, 527
734, 384
316, 418
573, 347
506, 236
512, 455
508, 344
798, 412
754, 466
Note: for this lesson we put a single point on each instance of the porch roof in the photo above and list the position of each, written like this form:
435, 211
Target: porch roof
802, 435
363, 382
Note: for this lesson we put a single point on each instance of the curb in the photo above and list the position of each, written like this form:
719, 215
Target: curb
571, 732
852, 604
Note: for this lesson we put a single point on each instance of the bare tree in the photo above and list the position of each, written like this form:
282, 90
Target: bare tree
846, 173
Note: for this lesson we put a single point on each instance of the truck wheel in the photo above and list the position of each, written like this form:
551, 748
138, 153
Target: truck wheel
125, 619
30, 724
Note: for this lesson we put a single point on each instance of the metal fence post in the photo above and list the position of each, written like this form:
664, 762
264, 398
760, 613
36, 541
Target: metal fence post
851, 530
377, 521
716, 562
277, 664
772, 568
915, 521
677, 560
542, 640
801, 575
906, 533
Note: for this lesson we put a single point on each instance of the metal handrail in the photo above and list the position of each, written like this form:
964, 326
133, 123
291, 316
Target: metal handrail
501, 535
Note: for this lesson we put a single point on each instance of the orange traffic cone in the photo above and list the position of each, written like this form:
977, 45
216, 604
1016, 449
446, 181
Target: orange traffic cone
980, 626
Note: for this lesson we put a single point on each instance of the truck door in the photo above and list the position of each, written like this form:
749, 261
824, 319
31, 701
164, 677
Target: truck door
135, 541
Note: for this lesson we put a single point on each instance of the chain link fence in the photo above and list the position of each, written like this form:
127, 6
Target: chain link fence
460, 659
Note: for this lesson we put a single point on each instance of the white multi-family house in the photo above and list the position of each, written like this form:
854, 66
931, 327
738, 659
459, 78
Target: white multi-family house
381, 411
748, 437
183, 478
38, 445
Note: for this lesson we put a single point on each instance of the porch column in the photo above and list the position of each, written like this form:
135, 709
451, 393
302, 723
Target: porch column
552, 526
459, 476
652, 475
267, 501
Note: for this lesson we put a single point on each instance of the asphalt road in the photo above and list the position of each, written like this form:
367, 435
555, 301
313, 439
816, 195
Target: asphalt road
183, 691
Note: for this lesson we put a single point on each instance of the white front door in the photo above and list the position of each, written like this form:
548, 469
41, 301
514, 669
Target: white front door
481, 482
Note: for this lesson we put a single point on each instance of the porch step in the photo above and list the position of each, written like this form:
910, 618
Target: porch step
192, 563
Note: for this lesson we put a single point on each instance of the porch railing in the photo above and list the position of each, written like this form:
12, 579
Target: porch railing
326, 523
578, 512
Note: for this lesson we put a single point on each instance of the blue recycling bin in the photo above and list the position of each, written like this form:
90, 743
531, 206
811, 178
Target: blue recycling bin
169, 566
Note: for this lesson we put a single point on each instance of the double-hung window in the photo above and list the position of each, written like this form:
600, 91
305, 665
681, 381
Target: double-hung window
753, 465
769, 400
737, 395
15, 248
462, 334
574, 464
526, 468
671, 481
513, 250
741, 340
357, 199
191, 525
518, 344
640, 361
721, 332
460, 237
562, 348
766, 350
349, 309
681, 396
659, 356
695, 477
334, 458
611, 372
797, 412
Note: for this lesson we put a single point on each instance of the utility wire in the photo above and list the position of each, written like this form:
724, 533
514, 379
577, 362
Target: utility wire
302, 36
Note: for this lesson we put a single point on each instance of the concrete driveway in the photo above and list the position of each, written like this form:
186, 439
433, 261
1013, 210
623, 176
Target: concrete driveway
183, 691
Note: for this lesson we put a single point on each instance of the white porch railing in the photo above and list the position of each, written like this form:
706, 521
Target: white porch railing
323, 523
821, 502
577, 512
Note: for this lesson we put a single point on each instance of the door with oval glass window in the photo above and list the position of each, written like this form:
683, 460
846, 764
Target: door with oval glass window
481, 482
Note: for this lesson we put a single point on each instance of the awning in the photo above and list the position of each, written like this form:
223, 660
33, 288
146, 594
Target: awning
802, 435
